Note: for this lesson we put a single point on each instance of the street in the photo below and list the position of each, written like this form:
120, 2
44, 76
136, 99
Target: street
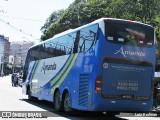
12, 99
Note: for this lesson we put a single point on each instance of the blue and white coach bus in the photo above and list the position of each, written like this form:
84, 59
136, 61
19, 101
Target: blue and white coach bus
107, 65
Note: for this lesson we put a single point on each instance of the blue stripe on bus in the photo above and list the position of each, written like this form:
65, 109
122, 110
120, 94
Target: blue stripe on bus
31, 71
36, 64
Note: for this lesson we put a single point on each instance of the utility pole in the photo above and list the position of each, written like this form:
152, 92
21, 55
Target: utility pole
2, 66
14, 57
20, 53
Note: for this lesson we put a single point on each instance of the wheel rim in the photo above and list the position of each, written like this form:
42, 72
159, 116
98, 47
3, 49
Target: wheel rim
67, 103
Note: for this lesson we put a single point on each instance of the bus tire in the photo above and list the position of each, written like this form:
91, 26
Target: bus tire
67, 104
57, 102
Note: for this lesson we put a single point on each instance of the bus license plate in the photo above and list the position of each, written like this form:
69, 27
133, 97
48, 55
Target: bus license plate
127, 96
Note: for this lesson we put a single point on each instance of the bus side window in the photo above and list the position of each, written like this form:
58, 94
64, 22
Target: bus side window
35, 53
87, 38
70, 42
49, 49
76, 42
63, 43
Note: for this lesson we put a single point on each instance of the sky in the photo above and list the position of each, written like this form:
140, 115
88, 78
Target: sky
21, 20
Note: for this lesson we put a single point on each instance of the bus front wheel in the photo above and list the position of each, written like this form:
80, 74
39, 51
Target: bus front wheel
57, 102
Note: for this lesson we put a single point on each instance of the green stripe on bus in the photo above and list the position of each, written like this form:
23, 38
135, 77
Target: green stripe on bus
65, 74
63, 70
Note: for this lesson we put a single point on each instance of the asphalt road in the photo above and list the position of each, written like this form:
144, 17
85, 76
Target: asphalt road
12, 99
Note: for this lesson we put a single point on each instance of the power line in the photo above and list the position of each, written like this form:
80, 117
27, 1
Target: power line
15, 28
26, 19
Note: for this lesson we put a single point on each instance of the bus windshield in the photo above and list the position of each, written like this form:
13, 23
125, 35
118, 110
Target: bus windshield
129, 33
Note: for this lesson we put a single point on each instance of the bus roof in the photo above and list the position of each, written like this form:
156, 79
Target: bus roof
67, 32
76, 29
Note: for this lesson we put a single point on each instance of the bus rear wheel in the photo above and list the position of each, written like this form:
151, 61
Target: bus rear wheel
67, 104
57, 102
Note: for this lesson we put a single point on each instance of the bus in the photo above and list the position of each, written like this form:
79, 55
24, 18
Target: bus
107, 65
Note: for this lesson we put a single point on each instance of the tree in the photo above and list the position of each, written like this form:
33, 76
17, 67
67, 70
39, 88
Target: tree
53, 18
79, 13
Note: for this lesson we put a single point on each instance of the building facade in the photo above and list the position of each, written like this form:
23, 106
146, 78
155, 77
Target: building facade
18, 53
4, 52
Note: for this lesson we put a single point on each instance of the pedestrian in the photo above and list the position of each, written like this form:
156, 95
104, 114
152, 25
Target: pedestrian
12, 77
155, 95
15, 80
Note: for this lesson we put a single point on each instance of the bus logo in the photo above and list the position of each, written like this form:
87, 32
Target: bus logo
121, 51
132, 53
48, 67
105, 65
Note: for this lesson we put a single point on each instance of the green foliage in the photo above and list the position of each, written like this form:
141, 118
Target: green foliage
53, 18
78, 13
